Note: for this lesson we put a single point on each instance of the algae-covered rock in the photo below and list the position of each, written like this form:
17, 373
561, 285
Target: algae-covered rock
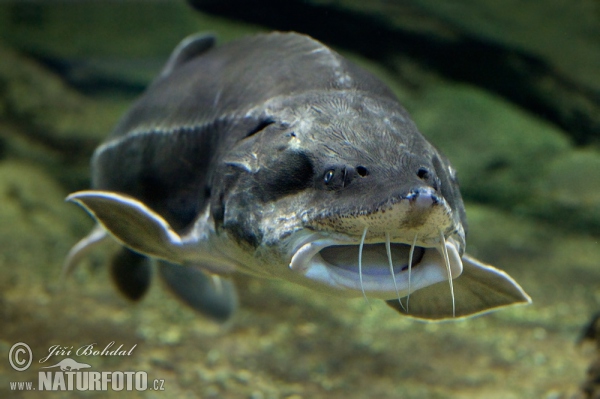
573, 179
45, 121
570, 191
108, 42
501, 236
565, 34
511, 159
37, 224
49, 111
499, 151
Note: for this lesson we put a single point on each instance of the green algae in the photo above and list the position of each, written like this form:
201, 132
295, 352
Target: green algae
499, 151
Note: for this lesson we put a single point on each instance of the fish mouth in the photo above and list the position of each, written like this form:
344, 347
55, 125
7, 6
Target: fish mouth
374, 258
368, 269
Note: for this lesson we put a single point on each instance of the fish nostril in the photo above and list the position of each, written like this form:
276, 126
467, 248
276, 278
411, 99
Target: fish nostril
362, 171
423, 173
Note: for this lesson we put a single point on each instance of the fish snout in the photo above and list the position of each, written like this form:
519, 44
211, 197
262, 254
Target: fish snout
423, 198
421, 211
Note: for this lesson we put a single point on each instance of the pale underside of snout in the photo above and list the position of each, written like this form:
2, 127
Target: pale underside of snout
423, 215
373, 270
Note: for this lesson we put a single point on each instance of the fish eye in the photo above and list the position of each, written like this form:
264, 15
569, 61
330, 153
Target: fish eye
328, 176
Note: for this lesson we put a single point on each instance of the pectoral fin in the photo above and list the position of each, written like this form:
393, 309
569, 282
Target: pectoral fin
480, 288
211, 296
83, 248
131, 273
132, 223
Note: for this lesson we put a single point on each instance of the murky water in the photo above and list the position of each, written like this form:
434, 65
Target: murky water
68, 71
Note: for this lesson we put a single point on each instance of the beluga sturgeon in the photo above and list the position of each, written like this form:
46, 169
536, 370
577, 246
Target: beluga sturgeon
275, 156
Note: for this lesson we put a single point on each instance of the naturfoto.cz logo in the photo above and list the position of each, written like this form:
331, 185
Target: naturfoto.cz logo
70, 375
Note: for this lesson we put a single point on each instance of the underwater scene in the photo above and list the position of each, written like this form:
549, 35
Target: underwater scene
271, 249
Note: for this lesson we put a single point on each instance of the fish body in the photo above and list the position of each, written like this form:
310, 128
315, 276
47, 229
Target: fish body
275, 156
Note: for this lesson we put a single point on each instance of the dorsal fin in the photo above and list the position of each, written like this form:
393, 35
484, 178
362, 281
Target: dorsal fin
189, 48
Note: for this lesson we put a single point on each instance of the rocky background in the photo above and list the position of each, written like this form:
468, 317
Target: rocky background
509, 91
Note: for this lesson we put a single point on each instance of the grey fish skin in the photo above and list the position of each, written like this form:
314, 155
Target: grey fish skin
275, 156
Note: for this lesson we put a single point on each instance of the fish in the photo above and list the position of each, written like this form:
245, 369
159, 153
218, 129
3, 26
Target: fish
274, 156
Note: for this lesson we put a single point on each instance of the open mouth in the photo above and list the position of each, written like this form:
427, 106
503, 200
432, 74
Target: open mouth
374, 258
375, 270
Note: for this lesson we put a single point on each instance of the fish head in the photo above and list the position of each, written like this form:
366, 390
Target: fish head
339, 191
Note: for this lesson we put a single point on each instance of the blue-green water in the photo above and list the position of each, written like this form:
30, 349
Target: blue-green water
68, 71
